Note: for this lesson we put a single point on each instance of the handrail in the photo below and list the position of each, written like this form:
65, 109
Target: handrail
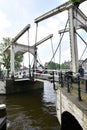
67, 80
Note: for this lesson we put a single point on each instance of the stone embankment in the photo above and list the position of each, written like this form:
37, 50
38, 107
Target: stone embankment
2, 87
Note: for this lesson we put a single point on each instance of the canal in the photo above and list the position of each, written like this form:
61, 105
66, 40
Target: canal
32, 111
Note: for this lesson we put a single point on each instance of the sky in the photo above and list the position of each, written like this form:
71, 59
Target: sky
16, 14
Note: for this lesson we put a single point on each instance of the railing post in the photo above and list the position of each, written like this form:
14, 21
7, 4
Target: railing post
53, 80
33, 74
86, 85
29, 72
79, 90
68, 88
61, 79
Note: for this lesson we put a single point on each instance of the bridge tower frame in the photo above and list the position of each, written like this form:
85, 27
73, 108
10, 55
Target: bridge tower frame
73, 38
73, 13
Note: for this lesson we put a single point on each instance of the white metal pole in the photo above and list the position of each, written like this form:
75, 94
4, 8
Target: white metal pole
73, 40
12, 60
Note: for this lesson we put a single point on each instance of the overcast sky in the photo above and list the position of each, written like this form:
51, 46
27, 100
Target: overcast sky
16, 14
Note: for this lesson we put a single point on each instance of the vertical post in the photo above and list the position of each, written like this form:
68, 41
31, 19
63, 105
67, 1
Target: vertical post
53, 80
35, 60
29, 57
68, 88
79, 90
61, 79
73, 38
35, 53
59, 54
12, 60
86, 85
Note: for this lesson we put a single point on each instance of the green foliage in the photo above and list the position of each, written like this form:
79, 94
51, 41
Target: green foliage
53, 65
5, 56
18, 60
63, 66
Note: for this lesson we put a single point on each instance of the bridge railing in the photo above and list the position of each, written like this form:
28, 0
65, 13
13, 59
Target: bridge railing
65, 79
73, 82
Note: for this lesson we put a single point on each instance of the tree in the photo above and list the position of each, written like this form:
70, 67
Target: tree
53, 65
64, 66
5, 56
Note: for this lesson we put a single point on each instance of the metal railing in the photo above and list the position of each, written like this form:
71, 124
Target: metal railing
71, 82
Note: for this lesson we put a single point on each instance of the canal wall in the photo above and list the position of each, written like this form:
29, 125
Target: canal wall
70, 111
2, 87
22, 86
10, 86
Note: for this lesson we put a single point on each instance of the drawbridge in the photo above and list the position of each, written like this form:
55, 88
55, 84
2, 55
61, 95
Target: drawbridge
76, 19
68, 108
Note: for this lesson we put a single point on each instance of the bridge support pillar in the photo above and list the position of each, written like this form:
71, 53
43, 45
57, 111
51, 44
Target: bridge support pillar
12, 59
73, 39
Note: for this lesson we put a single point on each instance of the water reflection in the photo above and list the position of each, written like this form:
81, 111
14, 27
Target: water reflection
32, 111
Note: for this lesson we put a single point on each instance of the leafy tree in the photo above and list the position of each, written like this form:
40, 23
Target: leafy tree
53, 65
5, 56
63, 66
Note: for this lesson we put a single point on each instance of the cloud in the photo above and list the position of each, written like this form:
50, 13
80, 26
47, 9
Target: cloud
83, 7
4, 24
51, 26
46, 27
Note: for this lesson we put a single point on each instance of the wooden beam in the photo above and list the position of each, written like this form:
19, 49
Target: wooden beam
43, 40
20, 33
53, 12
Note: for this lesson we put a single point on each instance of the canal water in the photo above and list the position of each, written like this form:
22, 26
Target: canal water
32, 111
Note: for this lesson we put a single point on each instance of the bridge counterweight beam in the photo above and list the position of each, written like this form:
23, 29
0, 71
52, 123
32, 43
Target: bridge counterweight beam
43, 40
54, 11
20, 33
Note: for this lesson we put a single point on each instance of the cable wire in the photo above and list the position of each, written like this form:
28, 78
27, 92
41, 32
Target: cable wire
59, 42
84, 42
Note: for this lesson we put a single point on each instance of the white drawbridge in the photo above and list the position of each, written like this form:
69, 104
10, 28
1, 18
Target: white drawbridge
76, 19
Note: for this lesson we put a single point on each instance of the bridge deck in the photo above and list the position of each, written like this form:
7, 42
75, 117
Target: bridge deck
74, 96
22, 79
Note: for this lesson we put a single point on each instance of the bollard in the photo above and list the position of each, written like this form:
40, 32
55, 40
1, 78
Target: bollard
79, 90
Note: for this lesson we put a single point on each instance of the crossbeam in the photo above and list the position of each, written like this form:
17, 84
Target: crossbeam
20, 33
17, 37
55, 11
81, 22
20, 48
43, 40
